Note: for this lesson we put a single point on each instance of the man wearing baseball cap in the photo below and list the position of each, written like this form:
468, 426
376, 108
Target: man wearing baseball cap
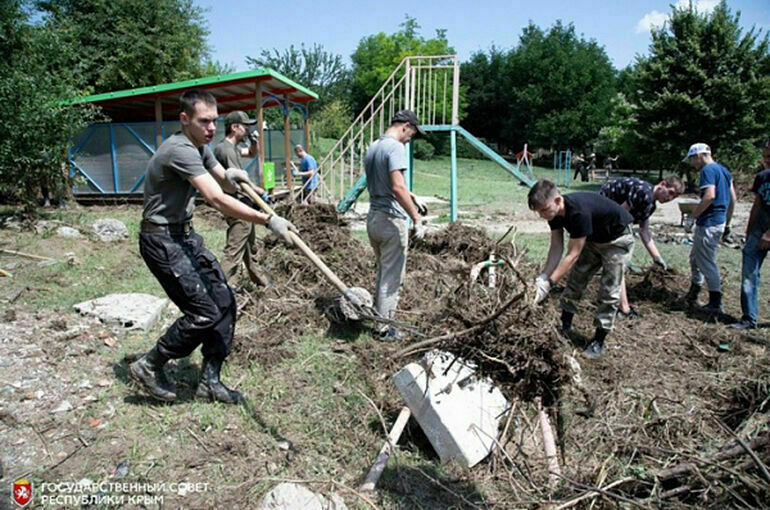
712, 218
241, 243
391, 205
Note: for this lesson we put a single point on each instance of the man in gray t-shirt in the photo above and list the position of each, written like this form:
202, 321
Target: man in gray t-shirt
176, 256
391, 204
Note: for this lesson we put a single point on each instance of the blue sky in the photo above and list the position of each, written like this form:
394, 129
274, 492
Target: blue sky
240, 29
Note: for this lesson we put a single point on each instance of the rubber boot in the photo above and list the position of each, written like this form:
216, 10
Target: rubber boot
691, 298
148, 372
715, 303
596, 348
566, 321
210, 387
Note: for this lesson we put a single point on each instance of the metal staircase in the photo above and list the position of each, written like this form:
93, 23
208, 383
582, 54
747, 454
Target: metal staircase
427, 85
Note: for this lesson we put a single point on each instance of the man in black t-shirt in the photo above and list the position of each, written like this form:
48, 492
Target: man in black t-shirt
600, 236
639, 198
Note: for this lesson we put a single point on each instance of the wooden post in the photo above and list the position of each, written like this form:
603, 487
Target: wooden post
262, 143
287, 145
306, 128
158, 123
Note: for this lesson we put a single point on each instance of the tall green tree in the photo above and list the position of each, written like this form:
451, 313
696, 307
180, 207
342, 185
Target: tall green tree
323, 72
35, 85
488, 83
123, 44
378, 55
705, 80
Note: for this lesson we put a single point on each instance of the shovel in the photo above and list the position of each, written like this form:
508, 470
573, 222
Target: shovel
352, 310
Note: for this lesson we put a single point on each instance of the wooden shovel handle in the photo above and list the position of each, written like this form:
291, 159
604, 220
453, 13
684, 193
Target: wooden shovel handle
248, 188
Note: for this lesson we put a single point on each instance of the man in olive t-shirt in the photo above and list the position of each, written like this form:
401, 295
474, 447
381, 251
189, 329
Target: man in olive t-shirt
176, 256
241, 245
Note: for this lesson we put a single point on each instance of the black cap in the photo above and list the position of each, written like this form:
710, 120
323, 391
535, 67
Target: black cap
410, 117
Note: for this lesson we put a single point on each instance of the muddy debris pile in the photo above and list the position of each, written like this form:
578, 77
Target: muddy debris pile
497, 328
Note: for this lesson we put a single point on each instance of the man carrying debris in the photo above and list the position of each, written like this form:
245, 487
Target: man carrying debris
174, 252
308, 171
712, 221
241, 243
639, 198
757, 244
600, 236
391, 204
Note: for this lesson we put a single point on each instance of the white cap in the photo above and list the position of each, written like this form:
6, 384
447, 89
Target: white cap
697, 148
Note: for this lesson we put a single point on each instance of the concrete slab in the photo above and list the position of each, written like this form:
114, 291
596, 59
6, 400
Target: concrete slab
132, 311
109, 229
293, 496
458, 411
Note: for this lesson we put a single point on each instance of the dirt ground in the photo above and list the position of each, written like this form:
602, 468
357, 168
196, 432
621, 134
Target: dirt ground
675, 389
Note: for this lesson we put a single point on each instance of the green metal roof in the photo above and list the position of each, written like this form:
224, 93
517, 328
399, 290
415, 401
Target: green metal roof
234, 91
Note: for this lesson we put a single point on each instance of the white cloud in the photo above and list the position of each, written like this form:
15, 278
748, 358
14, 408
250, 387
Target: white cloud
656, 19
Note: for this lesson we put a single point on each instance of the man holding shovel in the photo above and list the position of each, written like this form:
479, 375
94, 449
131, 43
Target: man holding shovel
391, 205
174, 252
241, 243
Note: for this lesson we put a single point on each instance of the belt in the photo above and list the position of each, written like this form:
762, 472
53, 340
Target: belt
172, 228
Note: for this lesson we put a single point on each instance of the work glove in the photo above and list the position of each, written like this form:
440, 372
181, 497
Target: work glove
235, 176
542, 288
266, 197
417, 232
253, 137
662, 263
422, 209
353, 298
295, 172
282, 227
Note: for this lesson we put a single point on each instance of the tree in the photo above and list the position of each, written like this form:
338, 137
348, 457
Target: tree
35, 86
552, 90
703, 81
121, 44
378, 55
323, 72
562, 88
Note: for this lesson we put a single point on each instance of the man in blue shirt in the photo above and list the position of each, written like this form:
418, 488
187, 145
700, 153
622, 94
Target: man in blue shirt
308, 170
712, 218
757, 243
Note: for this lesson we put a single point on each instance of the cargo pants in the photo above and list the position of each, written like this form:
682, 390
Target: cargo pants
194, 281
612, 258
241, 246
389, 238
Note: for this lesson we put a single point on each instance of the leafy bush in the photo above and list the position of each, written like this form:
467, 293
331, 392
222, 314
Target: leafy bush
423, 150
332, 120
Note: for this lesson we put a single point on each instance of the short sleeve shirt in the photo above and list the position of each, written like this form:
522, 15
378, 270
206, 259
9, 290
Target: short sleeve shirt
306, 164
761, 187
227, 154
168, 195
638, 194
384, 156
718, 176
593, 216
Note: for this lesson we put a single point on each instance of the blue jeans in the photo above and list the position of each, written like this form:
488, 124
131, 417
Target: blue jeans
753, 258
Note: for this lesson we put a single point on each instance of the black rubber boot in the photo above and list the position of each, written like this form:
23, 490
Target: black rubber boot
691, 298
148, 372
210, 387
566, 321
596, 348
715, 303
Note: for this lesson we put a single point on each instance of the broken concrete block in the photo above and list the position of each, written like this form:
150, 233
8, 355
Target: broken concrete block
293, 496
129, 310
458, 411
109, 229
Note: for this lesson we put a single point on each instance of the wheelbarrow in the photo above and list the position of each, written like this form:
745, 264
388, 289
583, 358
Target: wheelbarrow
686, 208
